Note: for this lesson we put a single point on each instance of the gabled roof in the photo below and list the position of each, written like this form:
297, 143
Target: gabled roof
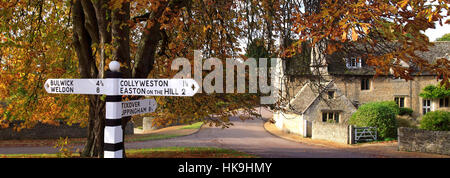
303, 99
307, 96
318, 96
337, 65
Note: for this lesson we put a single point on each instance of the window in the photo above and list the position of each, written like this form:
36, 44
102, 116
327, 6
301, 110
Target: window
330, 94
353, 62
400, 101
330, 116
443, 102
426, 106
365, 84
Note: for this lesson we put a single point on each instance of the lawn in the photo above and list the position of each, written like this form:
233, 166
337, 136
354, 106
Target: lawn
162, 152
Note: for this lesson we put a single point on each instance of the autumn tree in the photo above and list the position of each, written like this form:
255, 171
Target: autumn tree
386, 32
33, 47
78, 38
144, 36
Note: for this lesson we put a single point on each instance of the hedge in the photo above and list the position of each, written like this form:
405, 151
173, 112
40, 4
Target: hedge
405, 111
436, 121
378, 114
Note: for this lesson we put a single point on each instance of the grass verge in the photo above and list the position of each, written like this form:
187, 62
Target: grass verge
187, 152
147, 137
193, 126
161, 152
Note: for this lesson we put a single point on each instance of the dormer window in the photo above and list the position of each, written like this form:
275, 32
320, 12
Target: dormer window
353, 62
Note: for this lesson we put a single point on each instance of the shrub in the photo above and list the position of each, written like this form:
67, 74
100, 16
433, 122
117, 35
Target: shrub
438, 91
392, 105
377, 114
436, 120
405, 111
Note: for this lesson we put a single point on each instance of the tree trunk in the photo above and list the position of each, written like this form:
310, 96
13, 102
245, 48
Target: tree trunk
94, 143
95, 23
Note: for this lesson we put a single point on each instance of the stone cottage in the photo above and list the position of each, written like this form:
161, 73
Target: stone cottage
347, 83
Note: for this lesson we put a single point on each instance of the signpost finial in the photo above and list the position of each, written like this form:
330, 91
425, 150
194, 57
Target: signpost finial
114, 66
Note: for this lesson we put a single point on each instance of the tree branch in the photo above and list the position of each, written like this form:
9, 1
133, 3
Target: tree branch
145, 54
90, 20
102, 15
82, 43
121, 37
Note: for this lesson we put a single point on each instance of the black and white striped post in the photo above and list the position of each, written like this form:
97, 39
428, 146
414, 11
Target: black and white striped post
113, 137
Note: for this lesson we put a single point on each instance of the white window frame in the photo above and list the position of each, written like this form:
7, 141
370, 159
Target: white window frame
426, 108
353, 62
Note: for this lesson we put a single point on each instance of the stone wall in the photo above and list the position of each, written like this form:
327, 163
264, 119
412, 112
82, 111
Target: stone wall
291, 123
46, 131
330, 131
418, 140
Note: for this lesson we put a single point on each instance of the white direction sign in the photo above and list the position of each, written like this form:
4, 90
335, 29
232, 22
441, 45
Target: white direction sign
76, 86
142, 87
158, 87
134, 107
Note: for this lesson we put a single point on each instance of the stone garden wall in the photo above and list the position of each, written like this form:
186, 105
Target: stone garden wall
410, 139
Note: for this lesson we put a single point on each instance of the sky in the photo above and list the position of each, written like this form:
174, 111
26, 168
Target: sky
438, 31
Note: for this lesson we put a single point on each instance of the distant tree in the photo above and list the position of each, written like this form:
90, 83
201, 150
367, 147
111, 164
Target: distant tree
445, 37
256, 49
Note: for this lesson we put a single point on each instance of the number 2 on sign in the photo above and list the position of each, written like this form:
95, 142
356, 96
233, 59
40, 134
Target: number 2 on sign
183, 91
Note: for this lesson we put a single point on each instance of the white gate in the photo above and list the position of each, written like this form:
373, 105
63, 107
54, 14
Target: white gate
364, 134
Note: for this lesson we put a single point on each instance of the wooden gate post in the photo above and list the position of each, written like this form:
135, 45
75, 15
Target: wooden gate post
351, 134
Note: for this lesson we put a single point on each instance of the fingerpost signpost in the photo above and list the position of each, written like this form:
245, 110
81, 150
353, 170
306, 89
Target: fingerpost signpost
114, 87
